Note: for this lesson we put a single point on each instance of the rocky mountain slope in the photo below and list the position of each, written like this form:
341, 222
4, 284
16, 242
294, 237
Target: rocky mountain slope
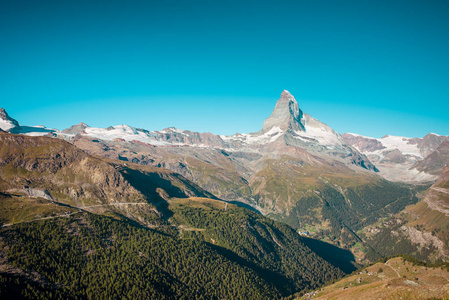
400, 158
420, 230
435, 161
287, 126
75, 225
295, 169
38, 166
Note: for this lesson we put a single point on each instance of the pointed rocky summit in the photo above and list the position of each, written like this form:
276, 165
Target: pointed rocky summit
286, 115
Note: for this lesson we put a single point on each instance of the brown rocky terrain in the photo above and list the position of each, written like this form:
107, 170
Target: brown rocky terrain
436, 160
404, 159
421, 230
55, 170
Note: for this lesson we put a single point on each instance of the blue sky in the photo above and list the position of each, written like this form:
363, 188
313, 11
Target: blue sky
370, 67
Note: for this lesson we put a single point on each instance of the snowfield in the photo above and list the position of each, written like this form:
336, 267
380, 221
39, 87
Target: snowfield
125, 132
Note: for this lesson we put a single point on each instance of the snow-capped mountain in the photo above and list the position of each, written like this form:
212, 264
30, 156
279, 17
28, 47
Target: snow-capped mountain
288, 118
7, 123
11, 125
286, 115
289, 126
396, 156
296, 168
287, 130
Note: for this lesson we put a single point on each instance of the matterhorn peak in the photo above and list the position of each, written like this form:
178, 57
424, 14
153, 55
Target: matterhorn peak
286, 115
287, 96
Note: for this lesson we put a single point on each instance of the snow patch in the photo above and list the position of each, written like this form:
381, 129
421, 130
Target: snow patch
6, 125
172, 129
125, 132
318, 131
401, 143
250, 138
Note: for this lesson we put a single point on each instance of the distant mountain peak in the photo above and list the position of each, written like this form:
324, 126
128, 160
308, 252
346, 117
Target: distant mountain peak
76, 129
7, 123
286, 115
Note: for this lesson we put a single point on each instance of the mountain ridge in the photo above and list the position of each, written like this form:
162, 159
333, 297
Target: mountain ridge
287, 122
304, 174
82, 216
401, 158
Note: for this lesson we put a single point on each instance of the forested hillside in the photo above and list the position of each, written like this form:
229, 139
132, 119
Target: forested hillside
241, 255
78, 226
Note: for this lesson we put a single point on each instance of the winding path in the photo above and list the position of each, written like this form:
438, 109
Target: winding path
80, 208
44, 218
394, 269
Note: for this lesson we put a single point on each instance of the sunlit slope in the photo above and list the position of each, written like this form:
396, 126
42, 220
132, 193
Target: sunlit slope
396, 278
58, 171
421, 230
328, 202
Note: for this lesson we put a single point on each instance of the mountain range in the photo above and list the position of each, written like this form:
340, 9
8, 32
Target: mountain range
287, 130
346, 191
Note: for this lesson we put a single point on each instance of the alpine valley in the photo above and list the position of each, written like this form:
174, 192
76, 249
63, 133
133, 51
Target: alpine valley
124, 212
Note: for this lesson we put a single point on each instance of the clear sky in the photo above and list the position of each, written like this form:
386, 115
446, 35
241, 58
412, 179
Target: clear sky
370, 67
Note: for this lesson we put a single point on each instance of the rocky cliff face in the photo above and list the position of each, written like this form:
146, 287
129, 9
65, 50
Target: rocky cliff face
364, 144
286, 115
401, 158
435, 161
70, 176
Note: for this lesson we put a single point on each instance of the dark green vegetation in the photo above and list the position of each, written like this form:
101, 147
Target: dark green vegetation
334, 207
97, 257
78, 226
91, 256
258, 240
327, 198
385, 244
331, 202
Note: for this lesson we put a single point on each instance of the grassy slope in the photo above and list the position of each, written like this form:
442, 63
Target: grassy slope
80, 180
330, 202
393, 279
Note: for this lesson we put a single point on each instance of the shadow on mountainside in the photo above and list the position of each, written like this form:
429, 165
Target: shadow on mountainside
151, 184
243, 205
283, 284
338, 257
